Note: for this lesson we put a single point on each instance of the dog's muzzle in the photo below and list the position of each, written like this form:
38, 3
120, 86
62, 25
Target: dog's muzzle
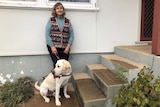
53, 71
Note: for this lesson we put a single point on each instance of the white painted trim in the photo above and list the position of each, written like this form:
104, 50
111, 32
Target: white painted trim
45, 4
139, 21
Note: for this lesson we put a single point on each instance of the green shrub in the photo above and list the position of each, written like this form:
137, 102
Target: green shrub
143, 91
12, 94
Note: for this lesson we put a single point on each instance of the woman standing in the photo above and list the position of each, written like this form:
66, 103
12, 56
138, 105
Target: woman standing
59, 34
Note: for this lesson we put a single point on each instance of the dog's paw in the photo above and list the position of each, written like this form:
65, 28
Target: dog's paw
47, 100
58, 103
67, 96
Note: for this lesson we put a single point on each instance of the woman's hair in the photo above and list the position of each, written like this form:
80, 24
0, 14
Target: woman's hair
54, 9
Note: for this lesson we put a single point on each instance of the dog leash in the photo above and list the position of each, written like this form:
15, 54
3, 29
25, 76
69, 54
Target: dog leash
57, 56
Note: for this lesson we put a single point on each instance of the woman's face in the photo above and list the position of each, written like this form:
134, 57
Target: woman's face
59, 10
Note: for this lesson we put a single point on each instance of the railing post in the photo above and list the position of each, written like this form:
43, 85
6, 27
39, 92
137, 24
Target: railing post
156, 29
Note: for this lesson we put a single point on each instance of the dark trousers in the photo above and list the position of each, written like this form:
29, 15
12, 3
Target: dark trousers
60, 55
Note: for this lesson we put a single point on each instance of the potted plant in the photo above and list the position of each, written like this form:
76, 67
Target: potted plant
143, 91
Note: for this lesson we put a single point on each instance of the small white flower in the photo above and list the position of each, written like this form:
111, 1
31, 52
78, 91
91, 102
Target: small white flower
14, 73
22, 72
1, 78
4, 80
8, 75
12, 62
11, 80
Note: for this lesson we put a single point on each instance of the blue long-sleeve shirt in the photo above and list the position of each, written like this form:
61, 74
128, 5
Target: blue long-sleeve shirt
60, 23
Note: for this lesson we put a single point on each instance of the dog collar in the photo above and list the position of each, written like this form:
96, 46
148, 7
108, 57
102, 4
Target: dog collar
61, 75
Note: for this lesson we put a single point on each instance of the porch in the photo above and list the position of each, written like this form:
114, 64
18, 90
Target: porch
132, 58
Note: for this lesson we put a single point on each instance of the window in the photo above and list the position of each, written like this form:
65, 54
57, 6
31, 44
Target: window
72, 0
68, 4
18, 0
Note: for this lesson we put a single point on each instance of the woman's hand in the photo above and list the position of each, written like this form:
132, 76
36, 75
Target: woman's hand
66, 51
54, 50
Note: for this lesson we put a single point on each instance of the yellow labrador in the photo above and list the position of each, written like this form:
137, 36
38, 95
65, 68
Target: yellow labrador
58, 78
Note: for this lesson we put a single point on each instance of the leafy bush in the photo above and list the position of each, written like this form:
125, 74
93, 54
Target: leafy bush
143, 91
12, 94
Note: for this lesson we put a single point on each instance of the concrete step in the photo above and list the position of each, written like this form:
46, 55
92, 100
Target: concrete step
89, 95
138, 53
122, 67
105, 79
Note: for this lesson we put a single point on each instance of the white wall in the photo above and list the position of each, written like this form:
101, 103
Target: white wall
115, 23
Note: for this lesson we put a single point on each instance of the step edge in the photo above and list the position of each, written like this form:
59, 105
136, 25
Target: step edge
107, 84
138, 65
102, 99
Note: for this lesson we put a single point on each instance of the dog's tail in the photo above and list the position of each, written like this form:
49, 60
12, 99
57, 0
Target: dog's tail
36, 85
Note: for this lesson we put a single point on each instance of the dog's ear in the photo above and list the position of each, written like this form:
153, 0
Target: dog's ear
66, 65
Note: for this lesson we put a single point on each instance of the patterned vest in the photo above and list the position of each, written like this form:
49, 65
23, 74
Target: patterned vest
60, 37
